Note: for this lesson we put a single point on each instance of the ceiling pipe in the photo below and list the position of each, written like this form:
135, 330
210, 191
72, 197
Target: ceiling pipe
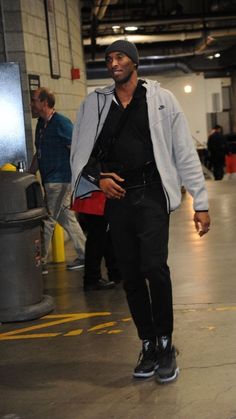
157, 22
98, 70
204, 44
182, 36
144, 39
154, 68
101, 7
96, 7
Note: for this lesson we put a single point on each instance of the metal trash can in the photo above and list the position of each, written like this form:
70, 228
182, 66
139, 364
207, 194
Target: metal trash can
21, 283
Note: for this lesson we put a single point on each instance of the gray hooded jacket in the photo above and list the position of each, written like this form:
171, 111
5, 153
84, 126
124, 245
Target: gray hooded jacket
175, 155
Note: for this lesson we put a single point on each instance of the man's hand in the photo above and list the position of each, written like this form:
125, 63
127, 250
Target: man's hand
202, 222
108, 185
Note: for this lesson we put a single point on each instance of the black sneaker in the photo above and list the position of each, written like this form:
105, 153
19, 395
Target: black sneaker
147, 362
167, 370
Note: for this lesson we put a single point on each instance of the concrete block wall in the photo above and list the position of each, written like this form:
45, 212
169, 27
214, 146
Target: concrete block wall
12, 47
233, 104
26, 42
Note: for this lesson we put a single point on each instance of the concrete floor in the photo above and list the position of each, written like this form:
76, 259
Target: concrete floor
77, 362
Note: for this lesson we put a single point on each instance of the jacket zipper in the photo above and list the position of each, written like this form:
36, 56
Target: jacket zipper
167, 198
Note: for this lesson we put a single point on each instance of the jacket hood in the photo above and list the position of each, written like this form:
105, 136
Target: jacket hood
106, 90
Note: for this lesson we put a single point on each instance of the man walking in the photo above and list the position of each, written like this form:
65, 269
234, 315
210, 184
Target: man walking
142, 155
216, 146
52, 159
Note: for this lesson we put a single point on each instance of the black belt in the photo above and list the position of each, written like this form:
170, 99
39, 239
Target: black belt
140, 176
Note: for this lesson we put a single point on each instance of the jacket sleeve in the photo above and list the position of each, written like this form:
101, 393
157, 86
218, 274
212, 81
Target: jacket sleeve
187, 160
85, 171
75, 133
92, 171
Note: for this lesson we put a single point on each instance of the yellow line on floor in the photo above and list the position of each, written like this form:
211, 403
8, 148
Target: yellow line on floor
36, 336
56, 319
74, 332
67, 318
102, 326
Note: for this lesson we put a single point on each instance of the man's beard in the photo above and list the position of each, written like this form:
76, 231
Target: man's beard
125, 79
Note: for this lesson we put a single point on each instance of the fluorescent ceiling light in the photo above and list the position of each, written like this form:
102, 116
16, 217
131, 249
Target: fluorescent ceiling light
131, 28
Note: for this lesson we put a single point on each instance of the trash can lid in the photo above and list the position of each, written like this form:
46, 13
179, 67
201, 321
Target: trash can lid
21, 196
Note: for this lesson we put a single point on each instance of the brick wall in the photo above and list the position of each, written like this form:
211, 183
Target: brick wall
26, 42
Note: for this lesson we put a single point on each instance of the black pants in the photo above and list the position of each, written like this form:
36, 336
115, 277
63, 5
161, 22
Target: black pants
218, 171
98, 245
139, 226
218, 163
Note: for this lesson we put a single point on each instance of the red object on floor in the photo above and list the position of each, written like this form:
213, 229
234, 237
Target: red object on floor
230, 161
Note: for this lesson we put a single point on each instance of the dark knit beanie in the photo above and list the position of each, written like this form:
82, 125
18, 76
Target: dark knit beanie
128, 48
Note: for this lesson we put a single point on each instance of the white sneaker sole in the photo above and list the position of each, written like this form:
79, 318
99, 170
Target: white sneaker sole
146, 374
168, 379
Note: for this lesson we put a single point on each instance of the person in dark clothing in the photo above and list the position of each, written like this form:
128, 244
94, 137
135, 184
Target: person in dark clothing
98, 245
216, 146
143, 152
